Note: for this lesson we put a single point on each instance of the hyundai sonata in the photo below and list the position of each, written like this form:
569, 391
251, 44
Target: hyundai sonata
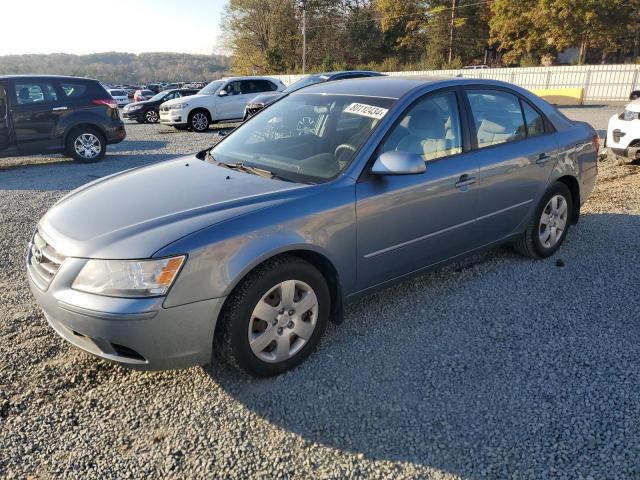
250, 248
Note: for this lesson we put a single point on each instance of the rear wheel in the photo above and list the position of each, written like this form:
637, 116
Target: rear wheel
86, 145
199, 121
275, 318
151, 116
549, 224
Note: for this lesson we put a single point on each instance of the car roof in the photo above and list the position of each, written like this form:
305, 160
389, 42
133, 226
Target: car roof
256, 77
378, 86
58, 77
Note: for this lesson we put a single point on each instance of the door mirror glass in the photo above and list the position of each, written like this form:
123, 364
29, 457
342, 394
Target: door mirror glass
397, 162
222, 93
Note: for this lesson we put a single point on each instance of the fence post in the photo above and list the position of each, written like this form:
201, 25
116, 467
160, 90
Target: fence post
587, 83
548, 79
512, 79
635, 80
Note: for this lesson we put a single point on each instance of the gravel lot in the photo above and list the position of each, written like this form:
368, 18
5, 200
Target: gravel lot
500, 367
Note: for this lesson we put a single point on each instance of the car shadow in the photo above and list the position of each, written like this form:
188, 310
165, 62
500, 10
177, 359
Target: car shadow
474, 370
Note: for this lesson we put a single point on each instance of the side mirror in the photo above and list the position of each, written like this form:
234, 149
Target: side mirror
222, 93
398, 163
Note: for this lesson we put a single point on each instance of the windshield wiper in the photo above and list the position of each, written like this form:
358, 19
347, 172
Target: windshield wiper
242, 167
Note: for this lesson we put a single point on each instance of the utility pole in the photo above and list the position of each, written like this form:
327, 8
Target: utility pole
304, 37
453, 17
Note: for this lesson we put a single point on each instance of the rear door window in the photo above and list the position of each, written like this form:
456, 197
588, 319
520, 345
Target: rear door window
28, 92
497, 117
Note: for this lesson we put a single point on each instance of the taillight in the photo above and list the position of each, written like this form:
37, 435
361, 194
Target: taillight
596, 142
108, 102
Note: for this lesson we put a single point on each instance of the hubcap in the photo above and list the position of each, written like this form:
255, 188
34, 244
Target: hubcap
152, 116
553, 221
87, 145
283, 321
199, 121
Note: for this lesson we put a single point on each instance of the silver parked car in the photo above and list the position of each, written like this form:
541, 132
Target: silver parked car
339, 189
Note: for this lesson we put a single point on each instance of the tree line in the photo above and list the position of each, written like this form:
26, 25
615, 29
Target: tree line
114, 67
266, 36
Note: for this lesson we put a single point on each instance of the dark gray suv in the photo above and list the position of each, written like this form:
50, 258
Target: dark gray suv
49, 114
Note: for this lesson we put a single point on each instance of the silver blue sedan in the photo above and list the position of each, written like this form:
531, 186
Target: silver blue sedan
247, 250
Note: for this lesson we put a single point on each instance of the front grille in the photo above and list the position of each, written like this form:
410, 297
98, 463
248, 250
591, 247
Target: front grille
44, 260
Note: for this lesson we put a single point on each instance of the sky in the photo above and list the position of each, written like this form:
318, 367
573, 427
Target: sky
92, 26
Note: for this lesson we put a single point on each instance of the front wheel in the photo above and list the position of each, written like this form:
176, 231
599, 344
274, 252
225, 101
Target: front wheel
549, 224
275, 317
199, 121
151, 116
86, 145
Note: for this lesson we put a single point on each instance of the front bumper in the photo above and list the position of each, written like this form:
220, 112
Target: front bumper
623, 137
173, 117
133, 114
135, 332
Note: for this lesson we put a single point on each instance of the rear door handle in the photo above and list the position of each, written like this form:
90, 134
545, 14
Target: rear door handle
57, 109
543, 158
465, 180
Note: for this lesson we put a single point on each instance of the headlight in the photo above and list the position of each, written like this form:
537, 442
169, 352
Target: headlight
178, 106
629, 115
128, 278
134, 107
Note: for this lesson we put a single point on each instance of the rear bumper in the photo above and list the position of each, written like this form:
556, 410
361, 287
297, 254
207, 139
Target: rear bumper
115, 132
137, 333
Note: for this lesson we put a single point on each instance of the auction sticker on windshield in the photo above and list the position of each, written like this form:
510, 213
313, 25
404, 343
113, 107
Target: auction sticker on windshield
366, 110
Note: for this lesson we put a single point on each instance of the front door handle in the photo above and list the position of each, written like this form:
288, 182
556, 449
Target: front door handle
57, 109
543, 158
465, 180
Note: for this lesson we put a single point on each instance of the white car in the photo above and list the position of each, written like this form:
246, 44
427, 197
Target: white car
221, 101
120, 96
623, 132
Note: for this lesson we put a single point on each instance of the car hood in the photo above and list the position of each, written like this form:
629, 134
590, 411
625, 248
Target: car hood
266, 98
135, 213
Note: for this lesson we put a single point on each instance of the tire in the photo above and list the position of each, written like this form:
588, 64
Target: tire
539, 239
634, 96
151, 116
86, 145
199, 121
277, 335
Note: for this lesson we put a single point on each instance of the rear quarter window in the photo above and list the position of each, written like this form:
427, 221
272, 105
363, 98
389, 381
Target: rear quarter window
74, 90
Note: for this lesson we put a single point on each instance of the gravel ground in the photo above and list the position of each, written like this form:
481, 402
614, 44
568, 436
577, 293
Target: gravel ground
499, 367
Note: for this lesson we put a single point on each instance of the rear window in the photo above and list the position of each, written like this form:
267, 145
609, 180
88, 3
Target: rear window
118, 93
74, 90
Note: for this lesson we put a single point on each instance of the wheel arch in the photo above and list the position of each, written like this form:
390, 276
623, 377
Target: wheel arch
574, 187
204, 110
319, 260
79, 125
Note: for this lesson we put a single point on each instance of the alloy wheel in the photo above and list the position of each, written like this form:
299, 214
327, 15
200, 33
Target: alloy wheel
199, 121
283, 321
87, 145
553, 221
151, 116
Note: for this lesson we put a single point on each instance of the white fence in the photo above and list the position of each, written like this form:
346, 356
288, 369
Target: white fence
601, 83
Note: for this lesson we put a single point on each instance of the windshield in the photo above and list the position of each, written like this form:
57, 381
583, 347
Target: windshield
158, 96
304, 82
304, 137
211, 88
